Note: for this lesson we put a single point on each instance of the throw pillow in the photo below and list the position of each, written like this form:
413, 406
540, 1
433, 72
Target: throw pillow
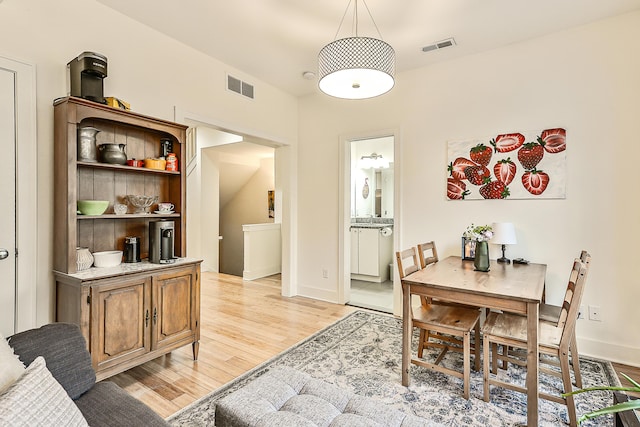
38, 399
10, 366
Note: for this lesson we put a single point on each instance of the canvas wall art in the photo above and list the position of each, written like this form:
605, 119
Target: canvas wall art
517, 165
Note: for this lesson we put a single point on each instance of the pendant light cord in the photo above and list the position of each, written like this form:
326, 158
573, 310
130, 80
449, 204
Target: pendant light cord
355, 19
372, 20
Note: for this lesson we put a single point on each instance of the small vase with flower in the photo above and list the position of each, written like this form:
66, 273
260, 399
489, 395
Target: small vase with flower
481, 234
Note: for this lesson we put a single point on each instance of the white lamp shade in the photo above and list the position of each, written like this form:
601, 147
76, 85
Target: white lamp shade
504, 233
356, 68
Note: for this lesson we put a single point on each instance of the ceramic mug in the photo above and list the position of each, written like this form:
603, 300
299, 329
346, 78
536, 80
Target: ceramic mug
165, 207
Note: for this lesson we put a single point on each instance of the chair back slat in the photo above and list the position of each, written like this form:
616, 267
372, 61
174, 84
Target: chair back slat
428, 253
573, 306
569, 294
405, 268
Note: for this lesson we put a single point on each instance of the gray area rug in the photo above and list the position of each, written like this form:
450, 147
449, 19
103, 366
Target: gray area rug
362, 353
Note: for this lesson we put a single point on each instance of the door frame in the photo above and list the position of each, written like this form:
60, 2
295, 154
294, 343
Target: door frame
344, 219
26, 191
286, 184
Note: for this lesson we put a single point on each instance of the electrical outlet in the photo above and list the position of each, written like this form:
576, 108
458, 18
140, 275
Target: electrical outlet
325, 273
582, 311
594, 313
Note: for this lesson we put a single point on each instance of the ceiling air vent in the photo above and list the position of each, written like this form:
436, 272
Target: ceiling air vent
239, 87
440, 45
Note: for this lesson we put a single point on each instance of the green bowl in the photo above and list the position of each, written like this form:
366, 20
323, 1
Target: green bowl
92, 207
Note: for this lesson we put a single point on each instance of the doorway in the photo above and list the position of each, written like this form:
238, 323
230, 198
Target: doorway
246, 178
371, 225
204, 209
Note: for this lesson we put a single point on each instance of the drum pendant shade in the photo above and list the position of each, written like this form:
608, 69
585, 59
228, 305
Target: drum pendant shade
356, 68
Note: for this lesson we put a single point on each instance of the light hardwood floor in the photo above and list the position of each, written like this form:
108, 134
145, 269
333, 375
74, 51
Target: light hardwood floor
243, 323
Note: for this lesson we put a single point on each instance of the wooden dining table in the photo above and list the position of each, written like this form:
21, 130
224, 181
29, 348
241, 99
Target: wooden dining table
516, 288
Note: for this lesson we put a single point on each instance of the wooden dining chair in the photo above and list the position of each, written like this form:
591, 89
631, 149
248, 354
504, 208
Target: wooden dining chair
442, 322
554, 314
428, 253
510, 331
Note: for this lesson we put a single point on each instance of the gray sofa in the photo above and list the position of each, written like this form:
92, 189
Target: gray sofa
64, 350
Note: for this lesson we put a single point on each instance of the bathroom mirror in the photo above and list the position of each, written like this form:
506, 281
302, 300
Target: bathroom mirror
372, 165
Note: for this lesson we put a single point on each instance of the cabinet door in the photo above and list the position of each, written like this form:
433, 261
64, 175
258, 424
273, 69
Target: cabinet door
175, 300
120, 313
368, 254
354, 250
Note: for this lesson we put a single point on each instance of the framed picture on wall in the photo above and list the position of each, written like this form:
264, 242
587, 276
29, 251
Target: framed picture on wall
271, 203
468, 249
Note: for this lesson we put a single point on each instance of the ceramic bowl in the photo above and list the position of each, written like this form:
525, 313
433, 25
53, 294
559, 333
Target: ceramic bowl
107, 258
92, 207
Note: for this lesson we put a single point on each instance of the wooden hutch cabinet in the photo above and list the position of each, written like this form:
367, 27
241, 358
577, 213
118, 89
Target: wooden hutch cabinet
134, 312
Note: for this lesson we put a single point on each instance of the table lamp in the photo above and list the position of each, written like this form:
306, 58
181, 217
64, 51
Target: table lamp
504, 233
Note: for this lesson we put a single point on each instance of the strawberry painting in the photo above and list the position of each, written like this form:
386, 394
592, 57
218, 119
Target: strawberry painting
481, 154
553, 140
477, 174
505, 170
535, 181
494, 190
456, 189
530, 154
507, 142
511, 165
456, 168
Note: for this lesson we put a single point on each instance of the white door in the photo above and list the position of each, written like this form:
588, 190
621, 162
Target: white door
18, 199
8, 198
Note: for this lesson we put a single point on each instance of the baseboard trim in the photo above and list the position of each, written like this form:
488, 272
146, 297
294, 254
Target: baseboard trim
609, 351
263, 272
320, 294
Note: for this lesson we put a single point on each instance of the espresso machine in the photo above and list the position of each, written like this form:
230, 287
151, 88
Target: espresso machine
86, 73
161, 242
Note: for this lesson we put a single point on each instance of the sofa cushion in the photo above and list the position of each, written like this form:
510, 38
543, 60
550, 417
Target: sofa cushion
64, 349
37, 399
106, 405
10, 366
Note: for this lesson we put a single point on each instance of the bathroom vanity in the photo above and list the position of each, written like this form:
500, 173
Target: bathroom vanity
371, 251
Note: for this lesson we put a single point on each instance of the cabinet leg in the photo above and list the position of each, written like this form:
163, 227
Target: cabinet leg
196, 347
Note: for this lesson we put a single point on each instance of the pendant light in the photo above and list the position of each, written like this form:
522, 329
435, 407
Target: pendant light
356, 67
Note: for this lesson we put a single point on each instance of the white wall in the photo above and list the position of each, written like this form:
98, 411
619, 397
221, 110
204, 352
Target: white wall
153, 72
586, 80
248, 206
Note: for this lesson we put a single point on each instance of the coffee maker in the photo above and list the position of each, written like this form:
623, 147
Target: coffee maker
161, 241
86, 74
132, 249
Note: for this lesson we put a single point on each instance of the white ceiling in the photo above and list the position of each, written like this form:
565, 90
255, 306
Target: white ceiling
277, 40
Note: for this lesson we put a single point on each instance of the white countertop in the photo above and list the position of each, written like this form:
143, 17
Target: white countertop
126, 268
369, 225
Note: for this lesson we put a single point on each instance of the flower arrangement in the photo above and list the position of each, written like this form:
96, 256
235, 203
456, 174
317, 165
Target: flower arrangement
478, 233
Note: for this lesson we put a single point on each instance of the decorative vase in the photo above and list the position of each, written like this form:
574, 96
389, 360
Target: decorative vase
84, 259
481, 260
